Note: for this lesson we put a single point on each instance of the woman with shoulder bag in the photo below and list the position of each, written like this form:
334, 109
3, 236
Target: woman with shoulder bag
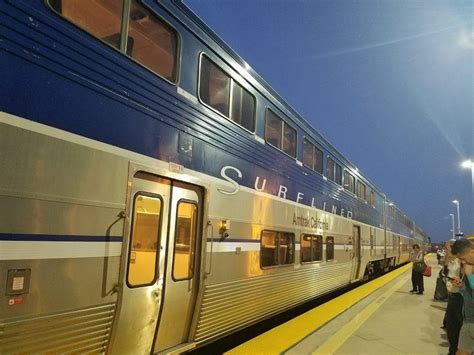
419, 266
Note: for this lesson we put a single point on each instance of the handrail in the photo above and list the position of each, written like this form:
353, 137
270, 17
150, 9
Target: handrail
209, 224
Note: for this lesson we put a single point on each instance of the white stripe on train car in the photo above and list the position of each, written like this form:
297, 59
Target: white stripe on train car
21, 250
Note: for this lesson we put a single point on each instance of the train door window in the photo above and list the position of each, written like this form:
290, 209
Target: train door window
101, 18
185, 241
279, 134
214, 86
155, 43
361, 190
349, 181
276, 248
144, 240
329, 248
311, 248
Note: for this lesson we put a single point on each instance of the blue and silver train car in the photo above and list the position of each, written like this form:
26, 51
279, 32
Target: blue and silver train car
155, 193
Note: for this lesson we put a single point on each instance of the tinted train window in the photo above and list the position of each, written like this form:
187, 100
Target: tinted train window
311, 248
150, 41
154, 43
144, 240
329, 248
312, 156
218, 90
361, 190
279, 134
349, 181
334, 171
372, 198
185, 241
277, 248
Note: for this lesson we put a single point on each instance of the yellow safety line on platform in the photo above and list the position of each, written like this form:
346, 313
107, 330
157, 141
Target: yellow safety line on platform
338, 339
290, 333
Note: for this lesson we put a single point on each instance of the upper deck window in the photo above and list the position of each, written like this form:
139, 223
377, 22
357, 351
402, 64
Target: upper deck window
334, 171
279, 134
149, 40
218, 90
312, 156
349, 181
361, 190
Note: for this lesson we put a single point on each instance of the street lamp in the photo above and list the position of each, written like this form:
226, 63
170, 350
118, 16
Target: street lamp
452, 218
456, 202
469, 164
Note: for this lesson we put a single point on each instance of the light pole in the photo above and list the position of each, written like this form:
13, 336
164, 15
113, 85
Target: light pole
456, 202
469, 164
452, 218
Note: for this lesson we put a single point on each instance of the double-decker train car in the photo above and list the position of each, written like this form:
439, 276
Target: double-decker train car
155, 193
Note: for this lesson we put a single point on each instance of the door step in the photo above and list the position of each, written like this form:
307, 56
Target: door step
178, 349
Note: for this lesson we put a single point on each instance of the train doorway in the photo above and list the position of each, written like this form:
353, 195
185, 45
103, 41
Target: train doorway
159, 268
356, 252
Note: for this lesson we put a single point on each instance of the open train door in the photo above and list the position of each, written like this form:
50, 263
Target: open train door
159, 265
356, 253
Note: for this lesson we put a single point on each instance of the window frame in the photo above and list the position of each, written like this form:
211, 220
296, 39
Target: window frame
333, 247
192, 202
372, 198
268, 108
334, 170
126, 18
360, 183
232, 80
293, 244
321, 248
314, 149
130, 240
353, 184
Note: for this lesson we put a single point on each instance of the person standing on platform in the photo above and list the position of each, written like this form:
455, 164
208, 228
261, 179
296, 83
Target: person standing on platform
454, 314
416, 256
463, 249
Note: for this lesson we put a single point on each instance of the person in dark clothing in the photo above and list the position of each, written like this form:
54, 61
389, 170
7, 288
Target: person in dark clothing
454, 311
416, 276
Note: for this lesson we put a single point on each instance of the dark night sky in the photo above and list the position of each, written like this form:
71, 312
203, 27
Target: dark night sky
388, 83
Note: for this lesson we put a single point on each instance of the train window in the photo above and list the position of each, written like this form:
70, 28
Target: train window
218, 90
214, 86
338, 174
242, 107
101, 18
185, 241
372, 198
279, 134
311, 248
334, 171
144, 240
150, 41
329, 248
276, 248
361, 190
349, 181
154, 43
312, 156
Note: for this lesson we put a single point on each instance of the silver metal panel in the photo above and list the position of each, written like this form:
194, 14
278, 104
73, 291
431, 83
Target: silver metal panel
78, 331
179, 295
233, 305
61, 170
135, 326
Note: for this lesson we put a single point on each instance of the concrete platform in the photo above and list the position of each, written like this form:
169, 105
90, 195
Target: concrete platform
388, 321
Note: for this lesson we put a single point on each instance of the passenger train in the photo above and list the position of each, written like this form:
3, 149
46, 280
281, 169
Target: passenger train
156, 193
